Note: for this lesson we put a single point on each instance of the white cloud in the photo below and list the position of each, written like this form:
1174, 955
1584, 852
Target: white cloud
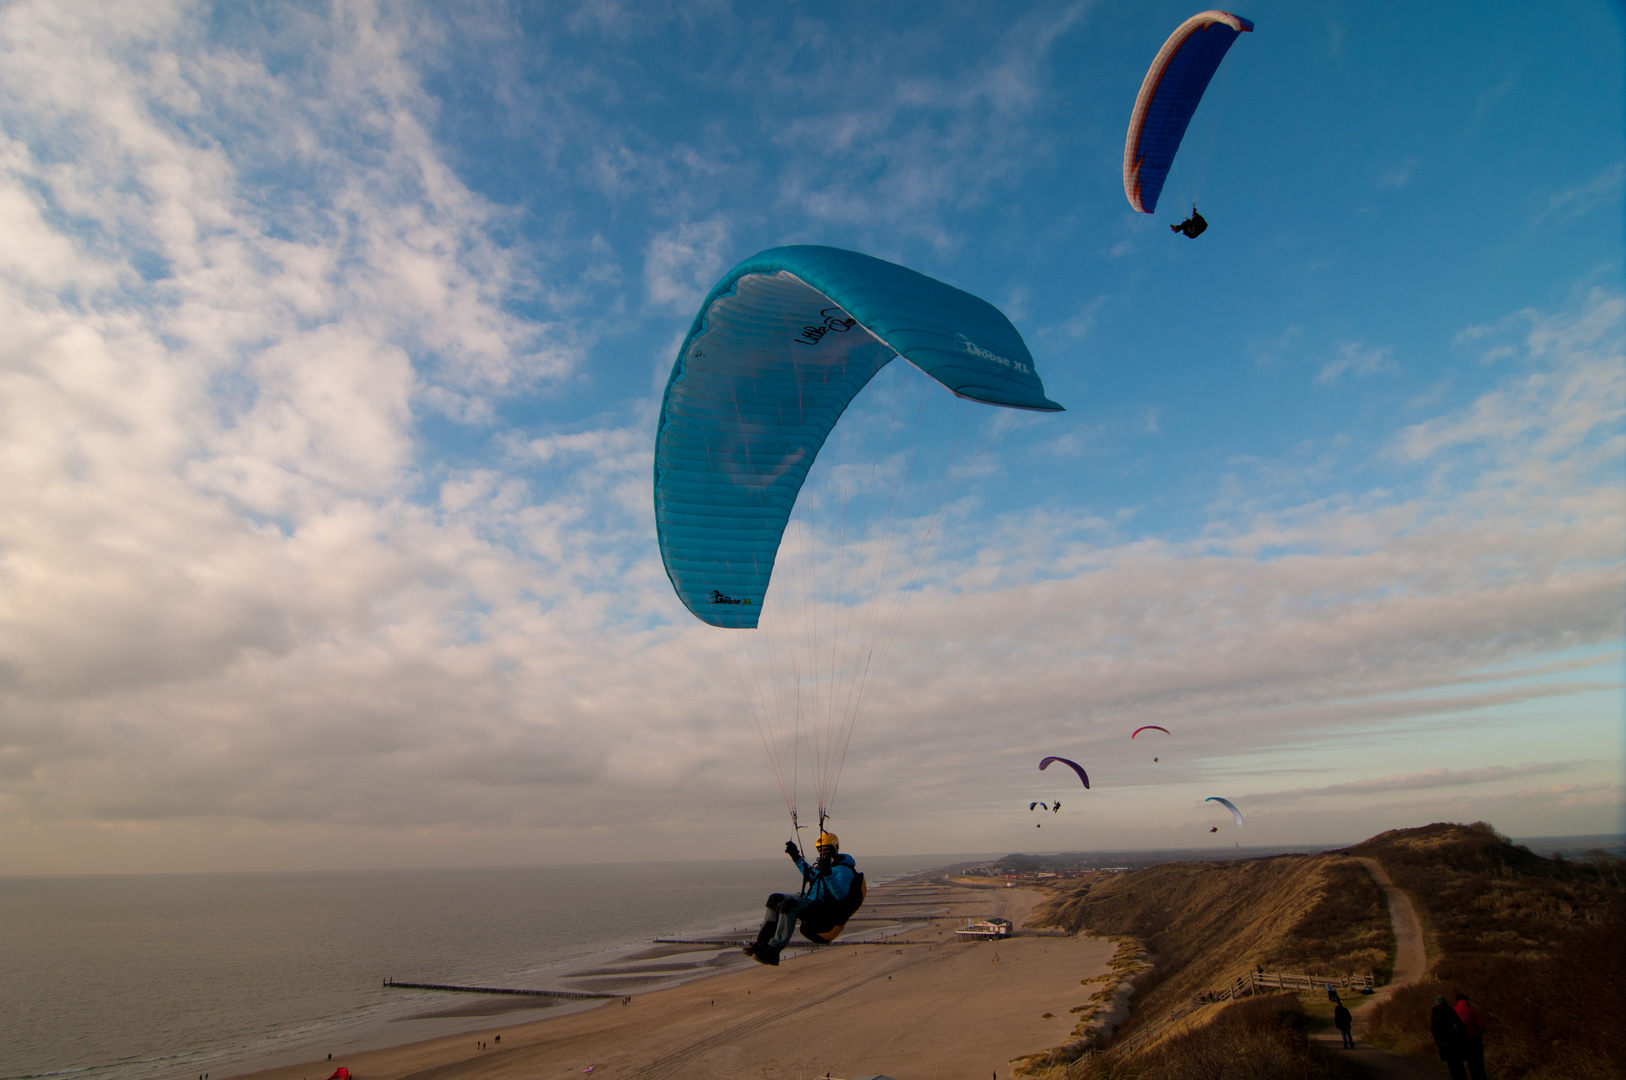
1077, 326
867, 146
1355, 358
1426, 780
1399, 175
683, 263
1579, 381
1601, 190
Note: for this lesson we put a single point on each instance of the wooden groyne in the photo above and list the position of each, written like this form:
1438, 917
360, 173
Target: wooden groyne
740, 943
454, 989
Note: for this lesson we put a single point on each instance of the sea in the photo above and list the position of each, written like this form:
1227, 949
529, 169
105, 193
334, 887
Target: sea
149, 977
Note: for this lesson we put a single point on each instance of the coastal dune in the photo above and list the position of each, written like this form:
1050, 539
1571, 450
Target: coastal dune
943, 1008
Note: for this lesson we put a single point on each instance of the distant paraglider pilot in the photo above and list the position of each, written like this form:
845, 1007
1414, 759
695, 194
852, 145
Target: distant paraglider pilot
832, 890
1194, 226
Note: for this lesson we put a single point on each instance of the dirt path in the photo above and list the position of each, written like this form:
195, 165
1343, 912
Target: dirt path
1411, 964
1370, 1063
1411, 961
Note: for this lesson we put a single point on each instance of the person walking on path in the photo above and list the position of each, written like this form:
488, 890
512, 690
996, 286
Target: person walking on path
1448, 1031
1343, 1021
1473, 1037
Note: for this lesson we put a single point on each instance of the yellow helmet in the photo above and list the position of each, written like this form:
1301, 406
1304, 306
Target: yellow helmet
828, 839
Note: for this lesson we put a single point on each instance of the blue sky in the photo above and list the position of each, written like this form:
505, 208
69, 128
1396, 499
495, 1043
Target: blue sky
338, 332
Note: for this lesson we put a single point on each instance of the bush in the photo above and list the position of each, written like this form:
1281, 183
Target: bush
1264, 1038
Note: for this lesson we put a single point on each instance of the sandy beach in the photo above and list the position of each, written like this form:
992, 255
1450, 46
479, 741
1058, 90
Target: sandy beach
921, 1007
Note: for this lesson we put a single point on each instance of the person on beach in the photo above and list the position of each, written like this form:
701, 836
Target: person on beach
1473, 1038
823, 905
1343, 1021
1448, 1031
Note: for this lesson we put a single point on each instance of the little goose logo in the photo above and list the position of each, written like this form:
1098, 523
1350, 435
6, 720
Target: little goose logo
971, 348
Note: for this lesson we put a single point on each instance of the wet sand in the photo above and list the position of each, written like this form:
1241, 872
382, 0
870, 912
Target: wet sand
936, 1010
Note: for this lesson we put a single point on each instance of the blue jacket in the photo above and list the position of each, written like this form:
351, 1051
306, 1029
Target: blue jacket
831, 884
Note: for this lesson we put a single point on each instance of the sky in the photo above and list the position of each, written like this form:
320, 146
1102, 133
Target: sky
336, 333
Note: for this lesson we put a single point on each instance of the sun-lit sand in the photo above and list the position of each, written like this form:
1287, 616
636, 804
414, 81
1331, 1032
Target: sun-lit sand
944, 1009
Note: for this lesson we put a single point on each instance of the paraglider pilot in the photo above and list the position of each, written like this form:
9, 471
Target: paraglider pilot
820, 905
1193, 226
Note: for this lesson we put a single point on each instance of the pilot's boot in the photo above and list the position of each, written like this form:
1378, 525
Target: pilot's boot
760, 945
769, 925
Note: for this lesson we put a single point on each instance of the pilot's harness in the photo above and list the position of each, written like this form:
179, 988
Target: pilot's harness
840, 910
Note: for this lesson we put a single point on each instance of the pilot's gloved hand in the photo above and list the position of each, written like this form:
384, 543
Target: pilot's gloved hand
792, 850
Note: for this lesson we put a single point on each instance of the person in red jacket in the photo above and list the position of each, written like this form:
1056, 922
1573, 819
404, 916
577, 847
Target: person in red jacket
1446, 1027
1473, 1037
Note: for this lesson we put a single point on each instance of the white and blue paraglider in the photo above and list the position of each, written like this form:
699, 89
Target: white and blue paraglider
1229, 805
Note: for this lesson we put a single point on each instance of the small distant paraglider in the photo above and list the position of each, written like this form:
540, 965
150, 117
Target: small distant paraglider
1148, 727
1054, 806
1229, 805
1214, 829
1073, 765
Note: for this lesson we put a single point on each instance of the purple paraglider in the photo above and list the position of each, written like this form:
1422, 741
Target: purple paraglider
1073, 765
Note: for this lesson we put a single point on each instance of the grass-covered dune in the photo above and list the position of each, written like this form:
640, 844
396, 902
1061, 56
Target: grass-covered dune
1206, 923
1538, 944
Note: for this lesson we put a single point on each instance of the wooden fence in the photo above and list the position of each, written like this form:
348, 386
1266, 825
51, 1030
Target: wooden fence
1244, 986
1255, 981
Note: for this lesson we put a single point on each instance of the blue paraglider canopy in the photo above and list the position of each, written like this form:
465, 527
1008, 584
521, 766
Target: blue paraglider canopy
1229, 805
779, 348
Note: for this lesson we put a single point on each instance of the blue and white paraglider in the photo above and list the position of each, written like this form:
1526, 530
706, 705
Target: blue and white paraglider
1229, 805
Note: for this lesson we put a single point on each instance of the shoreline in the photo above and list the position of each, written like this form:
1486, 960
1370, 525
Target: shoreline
921, 999
628, 970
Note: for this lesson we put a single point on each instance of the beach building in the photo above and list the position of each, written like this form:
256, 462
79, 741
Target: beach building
988, 928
